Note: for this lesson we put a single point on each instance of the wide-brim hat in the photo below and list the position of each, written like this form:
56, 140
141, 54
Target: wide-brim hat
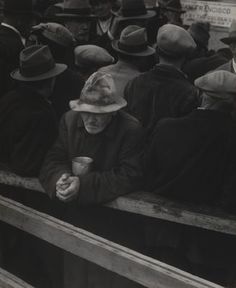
133, 9
37, 63
133, 42
75, 9
98, 96
232, 34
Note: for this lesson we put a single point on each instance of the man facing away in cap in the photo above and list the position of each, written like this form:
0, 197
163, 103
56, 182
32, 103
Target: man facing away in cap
164, 91
192, 159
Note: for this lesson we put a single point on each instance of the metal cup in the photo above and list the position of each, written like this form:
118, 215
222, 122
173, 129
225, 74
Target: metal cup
81, 165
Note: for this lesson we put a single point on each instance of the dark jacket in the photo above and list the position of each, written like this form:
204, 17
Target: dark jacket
162, 92
68, 87
116, 166
191, 158
10, 47
28, 127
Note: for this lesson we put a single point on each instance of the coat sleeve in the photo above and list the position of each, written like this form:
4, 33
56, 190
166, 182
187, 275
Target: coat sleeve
31, 143
125, 177
56, 161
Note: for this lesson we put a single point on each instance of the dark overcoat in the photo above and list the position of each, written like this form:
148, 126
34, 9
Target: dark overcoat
192, 158
28, 127
10, 47
162, 92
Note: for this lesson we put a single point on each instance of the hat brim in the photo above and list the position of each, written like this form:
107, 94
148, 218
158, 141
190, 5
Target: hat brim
80, 106
150, 14
149, 51
58, 69
74, 16
228, 40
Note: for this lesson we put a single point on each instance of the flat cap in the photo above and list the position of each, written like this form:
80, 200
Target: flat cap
219, 84
175, 41
92, 55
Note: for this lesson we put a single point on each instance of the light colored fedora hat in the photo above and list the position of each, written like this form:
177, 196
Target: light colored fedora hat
37, 63
133, 41
98, 96
232, 34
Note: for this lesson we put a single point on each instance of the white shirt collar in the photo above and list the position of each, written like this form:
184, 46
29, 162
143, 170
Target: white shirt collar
14, 29
234, 66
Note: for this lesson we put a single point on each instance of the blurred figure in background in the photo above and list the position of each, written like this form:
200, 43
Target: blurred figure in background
170, 12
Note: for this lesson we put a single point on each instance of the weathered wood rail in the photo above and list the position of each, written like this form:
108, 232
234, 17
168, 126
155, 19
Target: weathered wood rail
150, 205
109, 255
7, 280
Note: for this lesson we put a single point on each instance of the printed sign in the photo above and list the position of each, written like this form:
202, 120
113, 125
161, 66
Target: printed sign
217, 13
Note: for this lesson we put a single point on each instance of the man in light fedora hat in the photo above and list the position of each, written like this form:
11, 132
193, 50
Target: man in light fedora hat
18, 16
133, 52
96, 128
28, 121
164, 91
231, 42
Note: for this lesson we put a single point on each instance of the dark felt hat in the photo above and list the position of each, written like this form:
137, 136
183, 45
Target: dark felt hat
171, 5
200, 32
76, 9
133, 41
232, 34
134, 9
37, 63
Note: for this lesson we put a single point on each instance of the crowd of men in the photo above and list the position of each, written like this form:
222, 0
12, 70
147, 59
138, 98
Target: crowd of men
138, 94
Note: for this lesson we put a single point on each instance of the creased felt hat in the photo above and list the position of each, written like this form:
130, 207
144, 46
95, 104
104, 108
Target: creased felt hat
175, 41
133, 41
76, 9
200, 32
55, 32
37, 63
99, 95
218, 84
19, 7
134, 9
232, 34
92, 55
171, 5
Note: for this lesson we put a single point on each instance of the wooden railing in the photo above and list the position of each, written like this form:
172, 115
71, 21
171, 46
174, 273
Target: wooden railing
109, 255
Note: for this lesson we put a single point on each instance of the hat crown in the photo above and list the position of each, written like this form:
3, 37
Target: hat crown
220, 84
200, 32
90, 55
133, 8
170, 4
18, 6
36, 60
57, 33
174, 40
99, 90
133, 35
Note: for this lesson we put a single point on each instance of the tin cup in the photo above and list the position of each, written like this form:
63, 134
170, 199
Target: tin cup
81, 165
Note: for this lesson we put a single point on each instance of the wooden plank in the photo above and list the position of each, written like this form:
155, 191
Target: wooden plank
149, 205
7, 280
123, 261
